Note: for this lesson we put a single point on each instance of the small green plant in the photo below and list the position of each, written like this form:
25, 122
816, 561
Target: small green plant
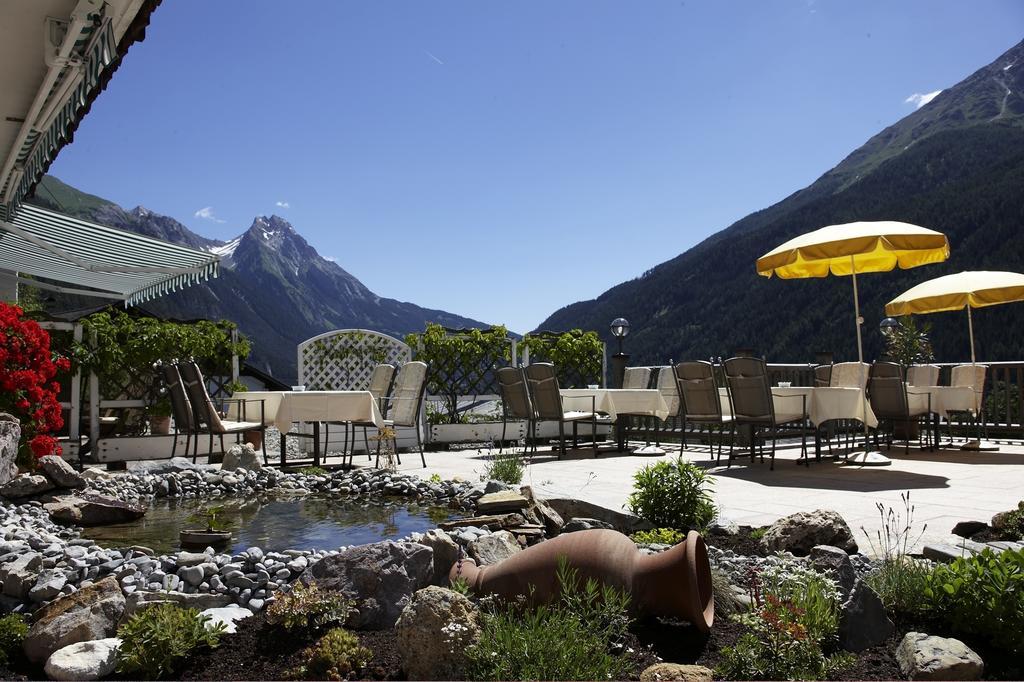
568, 639
334, 657
658, 536
460, 585
673, 494
435, 478
794, 619
313, 471
898, 579
153, 641
758, 533
211, 517
507, 468
308, 608
982, 596
907, 344
13, 629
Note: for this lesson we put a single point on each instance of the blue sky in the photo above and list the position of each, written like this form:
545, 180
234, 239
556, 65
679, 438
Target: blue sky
503, 159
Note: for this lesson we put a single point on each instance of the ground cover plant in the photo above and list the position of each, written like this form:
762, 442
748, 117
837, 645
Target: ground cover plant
155, 640
308, 608
521, 641
13, 629
793, 625
659, 536
673, 494
334, 657
982, 596
505, 467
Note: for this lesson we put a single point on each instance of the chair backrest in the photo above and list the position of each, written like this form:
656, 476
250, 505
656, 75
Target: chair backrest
923, 375
749, 390
699, 391
181, 410
669, 389
381, 380
202, 407
969, 375
515, 396
886, 369
888, 397
822, 376
849, 375
543, 384
407, 394
637, 377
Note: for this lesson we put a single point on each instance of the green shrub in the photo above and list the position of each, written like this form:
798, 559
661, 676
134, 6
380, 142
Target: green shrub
154, 640
313, 471
435, 478
673, 494
898, 579
507, 468
333, 657
982, 596
13, 629
568, 639
658, 536
308, 608
794, 620
1010, 525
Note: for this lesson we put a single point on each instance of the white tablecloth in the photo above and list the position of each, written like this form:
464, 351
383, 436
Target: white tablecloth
616, 401
823, 403
946, 399
281, 408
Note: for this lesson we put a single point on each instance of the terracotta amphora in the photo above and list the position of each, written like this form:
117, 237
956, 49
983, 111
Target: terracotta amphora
676, 582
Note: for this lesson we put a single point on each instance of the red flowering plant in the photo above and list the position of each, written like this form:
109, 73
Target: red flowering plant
27, 387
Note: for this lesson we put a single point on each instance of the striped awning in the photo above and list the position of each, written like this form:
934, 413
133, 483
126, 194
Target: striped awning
81, 257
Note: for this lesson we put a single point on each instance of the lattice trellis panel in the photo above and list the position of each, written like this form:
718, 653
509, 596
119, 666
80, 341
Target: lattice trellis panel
342, 360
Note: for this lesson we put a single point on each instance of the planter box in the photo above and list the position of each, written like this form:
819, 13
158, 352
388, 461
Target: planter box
476, 433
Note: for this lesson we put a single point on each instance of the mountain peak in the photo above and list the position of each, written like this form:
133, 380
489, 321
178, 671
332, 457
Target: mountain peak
140, 211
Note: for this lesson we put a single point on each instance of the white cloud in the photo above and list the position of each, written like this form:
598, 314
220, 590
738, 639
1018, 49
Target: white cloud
206, 213
283, 204
919, 100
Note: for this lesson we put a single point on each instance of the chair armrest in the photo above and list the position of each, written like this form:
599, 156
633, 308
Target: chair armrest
242, 402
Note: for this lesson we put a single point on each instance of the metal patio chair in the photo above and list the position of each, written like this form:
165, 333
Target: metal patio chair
890, 403
208, 419
547, 402
382, 378
405, 405
701, 402
515, 402
752, 404
181, 410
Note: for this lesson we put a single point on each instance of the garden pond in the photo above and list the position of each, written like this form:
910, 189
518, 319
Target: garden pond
276, 524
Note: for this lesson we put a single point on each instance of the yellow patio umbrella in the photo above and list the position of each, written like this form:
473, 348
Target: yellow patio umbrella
969, 289
852, 249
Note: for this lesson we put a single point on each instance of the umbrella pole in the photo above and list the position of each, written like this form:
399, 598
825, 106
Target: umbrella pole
866, 457
975, 444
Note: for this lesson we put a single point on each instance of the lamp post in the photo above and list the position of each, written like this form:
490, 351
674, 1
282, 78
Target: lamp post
620, 328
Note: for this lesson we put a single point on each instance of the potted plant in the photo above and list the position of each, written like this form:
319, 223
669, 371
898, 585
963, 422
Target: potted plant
159, 414
215, 533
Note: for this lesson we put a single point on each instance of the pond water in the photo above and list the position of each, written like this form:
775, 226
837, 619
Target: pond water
276, 524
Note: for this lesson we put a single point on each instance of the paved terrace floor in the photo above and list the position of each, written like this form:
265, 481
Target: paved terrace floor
946, 486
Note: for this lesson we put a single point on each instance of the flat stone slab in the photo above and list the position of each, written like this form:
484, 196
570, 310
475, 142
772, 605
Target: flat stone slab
502, 501
502, 520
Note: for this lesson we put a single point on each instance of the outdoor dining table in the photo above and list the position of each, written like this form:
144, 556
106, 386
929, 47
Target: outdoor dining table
282, 408
641, 402
946, 399
824, 403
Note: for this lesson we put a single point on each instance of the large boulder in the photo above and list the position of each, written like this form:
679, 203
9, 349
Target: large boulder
88, 509
92, 660
380, 578
10, 436
659, 672
242, 456
493, 548
174, 465
798, 533
924, 657
433, 633
26, 485
138, 601
61, 473
578, 524
19, 576
446, 553
863, 622
571, 508
502, 501
551, 519
90, 613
